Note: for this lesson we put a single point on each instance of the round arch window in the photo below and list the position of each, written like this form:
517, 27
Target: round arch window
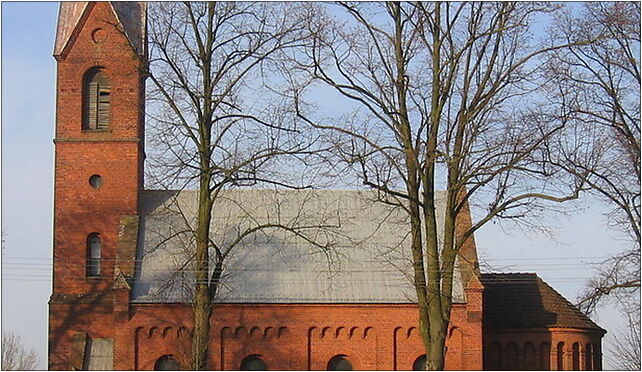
167, 363
94, 253
253, 363
339, 363
419, 364
96, 181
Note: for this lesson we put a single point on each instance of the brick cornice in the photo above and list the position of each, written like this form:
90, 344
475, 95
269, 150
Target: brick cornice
88, 298
105, 140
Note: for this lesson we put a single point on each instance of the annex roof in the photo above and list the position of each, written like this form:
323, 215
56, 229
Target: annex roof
130, 14
367, 259
524, 300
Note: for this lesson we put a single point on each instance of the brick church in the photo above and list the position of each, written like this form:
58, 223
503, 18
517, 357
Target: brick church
120, 297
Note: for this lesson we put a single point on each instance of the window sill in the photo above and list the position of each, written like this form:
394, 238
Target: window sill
96, 131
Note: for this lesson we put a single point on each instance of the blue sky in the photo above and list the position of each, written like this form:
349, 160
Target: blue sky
28, 108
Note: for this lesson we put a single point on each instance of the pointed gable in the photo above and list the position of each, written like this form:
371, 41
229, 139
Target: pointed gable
69, 15
131, 17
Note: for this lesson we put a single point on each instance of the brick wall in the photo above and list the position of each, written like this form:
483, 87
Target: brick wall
547, 349
81, 304
300, 337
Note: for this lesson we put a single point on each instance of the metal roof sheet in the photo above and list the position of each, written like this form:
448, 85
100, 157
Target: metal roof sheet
368, 259
131, 15
69, 14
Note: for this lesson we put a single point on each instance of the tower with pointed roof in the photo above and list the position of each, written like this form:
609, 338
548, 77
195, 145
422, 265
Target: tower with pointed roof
99, 153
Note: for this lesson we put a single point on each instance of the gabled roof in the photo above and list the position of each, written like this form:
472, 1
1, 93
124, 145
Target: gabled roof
69, 14
523, 300
369, 261
130, 14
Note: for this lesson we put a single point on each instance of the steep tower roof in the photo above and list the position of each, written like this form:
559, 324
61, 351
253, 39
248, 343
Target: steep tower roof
130, 14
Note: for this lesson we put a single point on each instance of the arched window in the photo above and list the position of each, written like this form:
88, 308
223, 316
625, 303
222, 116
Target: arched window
545, 356
576, 356
419, 364
167, 363
588, 357
96, 100
339, 363
530, 363
253, 363
560, 356
511, 357
597, 358
94, 247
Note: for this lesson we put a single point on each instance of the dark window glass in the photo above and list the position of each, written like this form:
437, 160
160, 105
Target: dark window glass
576, 357
253, 363
511, 351
495, 357
339, 363
588, 357
545, 356
597, 359
167, 363
419, 364
560, 356
96, 181
530, 363
94, 247
96, 100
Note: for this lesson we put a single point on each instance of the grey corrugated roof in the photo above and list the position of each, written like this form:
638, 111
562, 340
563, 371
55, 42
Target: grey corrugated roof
368, 262
131, 15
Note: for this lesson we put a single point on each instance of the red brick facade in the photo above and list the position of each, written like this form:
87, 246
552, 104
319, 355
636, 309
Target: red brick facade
296, 337
287, 336
78, 302
567, 349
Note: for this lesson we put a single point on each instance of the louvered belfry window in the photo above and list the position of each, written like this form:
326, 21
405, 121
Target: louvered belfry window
96, 105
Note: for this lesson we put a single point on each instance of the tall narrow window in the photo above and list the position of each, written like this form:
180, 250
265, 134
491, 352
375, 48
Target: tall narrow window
495, 357
96, 100
94, 247
511, 357
597, 358
560, 356
545, 356
530, 363
588, 357
576, 356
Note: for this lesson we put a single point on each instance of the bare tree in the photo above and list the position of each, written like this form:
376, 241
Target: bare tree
215, 128
597, 85
15, 357
625, 348
441, 95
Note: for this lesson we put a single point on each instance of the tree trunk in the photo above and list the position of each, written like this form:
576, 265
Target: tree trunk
202, 299
200, 338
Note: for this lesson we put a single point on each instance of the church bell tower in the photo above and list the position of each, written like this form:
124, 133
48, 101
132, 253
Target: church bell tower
99, 154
